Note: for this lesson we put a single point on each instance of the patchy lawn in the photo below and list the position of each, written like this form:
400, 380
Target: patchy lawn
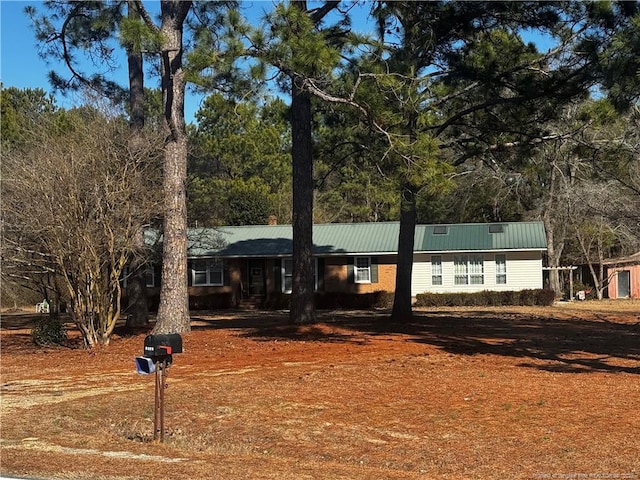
486, 393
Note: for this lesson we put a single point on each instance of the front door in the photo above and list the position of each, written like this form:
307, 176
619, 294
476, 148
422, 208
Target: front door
624, 284
256, 278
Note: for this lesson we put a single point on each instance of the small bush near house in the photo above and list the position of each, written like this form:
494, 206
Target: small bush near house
358, 301
48, 331
545, 297
211, 301
486, 298
278, 301
337, 300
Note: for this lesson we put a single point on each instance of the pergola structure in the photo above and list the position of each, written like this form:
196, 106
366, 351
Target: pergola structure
570, 269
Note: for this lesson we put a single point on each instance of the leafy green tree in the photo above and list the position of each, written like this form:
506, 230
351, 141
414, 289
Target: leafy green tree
20, 111
307, 53
461, 75
297, 44
619, 62
239, 160
349, 184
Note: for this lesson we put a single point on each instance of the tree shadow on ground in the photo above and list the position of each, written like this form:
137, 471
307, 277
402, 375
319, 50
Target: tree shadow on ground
551, 344
571, 345
274, 325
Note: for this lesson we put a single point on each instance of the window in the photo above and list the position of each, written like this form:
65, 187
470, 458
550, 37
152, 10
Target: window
476, 269
149, 275
501, 269
440, 230
469, 270
207, 273
436, 270
362, 269
287, 274
461, 269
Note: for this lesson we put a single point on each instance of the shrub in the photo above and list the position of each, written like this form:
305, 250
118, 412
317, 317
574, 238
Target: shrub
211, 301
543, 297
278, 301
48, 331
358, 301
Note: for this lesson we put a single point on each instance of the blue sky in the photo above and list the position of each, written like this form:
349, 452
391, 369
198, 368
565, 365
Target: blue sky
21, 66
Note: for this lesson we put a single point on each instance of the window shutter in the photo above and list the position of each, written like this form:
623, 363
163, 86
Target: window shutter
374, 270
190, 274
157, 278
350, 274
277, 275
320, 273
226, 273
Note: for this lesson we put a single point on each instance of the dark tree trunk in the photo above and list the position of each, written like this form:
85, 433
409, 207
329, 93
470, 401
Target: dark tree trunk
173, 310
136, 286
302, 295
402, 297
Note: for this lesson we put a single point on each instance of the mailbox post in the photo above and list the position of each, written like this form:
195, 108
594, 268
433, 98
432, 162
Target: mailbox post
157, 357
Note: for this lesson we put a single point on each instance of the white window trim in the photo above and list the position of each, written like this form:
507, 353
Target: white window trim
284, 275
436, 272
208, 271
503, 272
357, 269
463, 269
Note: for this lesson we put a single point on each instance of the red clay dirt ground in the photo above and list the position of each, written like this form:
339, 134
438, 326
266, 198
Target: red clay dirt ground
458, 393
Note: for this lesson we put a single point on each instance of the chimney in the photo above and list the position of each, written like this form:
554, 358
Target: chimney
273, 220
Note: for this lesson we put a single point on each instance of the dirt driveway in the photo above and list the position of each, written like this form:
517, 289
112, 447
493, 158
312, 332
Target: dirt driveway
458, 393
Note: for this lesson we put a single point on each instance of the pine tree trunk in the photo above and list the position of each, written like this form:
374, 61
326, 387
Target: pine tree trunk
136, 286
402, 297
173, 310
302, 295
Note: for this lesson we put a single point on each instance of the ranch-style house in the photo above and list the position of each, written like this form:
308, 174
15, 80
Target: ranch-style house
231, 266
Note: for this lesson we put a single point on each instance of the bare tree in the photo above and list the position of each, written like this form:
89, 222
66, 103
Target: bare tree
73, 203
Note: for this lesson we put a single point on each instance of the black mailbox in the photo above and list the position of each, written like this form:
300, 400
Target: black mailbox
162, 345
158, 348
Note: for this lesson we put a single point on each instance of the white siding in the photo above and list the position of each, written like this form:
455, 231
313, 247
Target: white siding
524, 271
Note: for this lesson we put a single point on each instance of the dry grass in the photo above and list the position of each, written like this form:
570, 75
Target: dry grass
457, 393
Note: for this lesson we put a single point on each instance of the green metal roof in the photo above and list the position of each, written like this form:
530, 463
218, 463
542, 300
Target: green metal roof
365, 238
481, 237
